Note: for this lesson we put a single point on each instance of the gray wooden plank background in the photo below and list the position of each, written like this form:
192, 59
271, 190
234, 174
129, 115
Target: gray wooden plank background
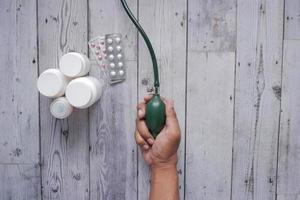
232, 68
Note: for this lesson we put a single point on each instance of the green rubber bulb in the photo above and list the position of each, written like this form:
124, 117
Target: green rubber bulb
155, 115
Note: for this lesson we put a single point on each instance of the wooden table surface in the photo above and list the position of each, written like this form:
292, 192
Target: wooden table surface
231, 66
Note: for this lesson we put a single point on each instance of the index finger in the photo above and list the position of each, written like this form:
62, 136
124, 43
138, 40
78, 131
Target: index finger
141, 110
148, 97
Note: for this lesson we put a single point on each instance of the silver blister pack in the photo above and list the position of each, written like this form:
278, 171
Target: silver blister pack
109, 54
115, 58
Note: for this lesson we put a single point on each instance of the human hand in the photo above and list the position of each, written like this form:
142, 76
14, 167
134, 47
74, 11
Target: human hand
162, 151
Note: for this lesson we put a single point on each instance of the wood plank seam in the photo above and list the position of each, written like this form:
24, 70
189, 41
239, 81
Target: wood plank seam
280, 107
186, 94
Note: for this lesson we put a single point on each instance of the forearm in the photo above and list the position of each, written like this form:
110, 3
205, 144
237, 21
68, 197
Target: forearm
164, 183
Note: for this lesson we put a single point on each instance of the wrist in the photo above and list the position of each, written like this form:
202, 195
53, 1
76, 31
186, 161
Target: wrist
161, 173
165, 164
163, 167
164, 181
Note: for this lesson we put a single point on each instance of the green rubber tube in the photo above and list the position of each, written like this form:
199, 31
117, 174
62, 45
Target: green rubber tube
155, 108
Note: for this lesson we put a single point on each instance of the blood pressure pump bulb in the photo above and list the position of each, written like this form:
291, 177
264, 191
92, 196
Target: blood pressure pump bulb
155, 108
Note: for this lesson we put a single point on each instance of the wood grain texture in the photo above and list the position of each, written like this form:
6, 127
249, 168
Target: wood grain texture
165, 23
19, 115
257, 98
210, 100
292, 20
113, 155
64, 143
232, 99
209, 125
19, 182
212, 25
289, 157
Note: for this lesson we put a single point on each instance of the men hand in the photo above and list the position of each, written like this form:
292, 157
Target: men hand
162, 151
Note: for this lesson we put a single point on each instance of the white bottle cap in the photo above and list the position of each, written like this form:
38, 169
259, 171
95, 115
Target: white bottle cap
60, 108
83, 92
74, 64
52, 83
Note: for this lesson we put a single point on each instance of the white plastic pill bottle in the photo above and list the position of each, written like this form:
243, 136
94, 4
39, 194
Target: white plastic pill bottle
60, 108
84, 91
74, 64
52, 83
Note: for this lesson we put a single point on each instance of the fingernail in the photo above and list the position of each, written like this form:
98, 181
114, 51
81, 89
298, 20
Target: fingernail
150, 141
146, 146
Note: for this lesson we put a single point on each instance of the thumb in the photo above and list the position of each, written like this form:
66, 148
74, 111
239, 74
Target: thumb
170, 113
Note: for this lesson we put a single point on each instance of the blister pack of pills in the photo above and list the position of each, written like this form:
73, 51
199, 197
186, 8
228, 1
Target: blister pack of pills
97, 45
115, 57
109, 54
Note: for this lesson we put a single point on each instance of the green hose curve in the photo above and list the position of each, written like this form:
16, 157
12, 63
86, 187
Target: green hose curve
148, 43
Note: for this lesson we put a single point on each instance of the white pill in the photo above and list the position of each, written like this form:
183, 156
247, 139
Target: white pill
110, 48
121, 72
112, 73
119, 48
109, 41
120, 64
118, 39
111, 57
119, 56
112, 65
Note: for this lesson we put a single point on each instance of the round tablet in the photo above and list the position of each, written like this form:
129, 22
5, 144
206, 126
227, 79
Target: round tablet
74, 64
120, 64
112, 65
52, 83
112, 73
111, 57
92, 45
121, 73
119, 48
110, 48
109, 41
60, 108
118, 40
119, 56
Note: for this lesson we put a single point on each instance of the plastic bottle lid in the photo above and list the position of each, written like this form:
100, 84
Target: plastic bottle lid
79, 93
74, 64
52, 83
60, 108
